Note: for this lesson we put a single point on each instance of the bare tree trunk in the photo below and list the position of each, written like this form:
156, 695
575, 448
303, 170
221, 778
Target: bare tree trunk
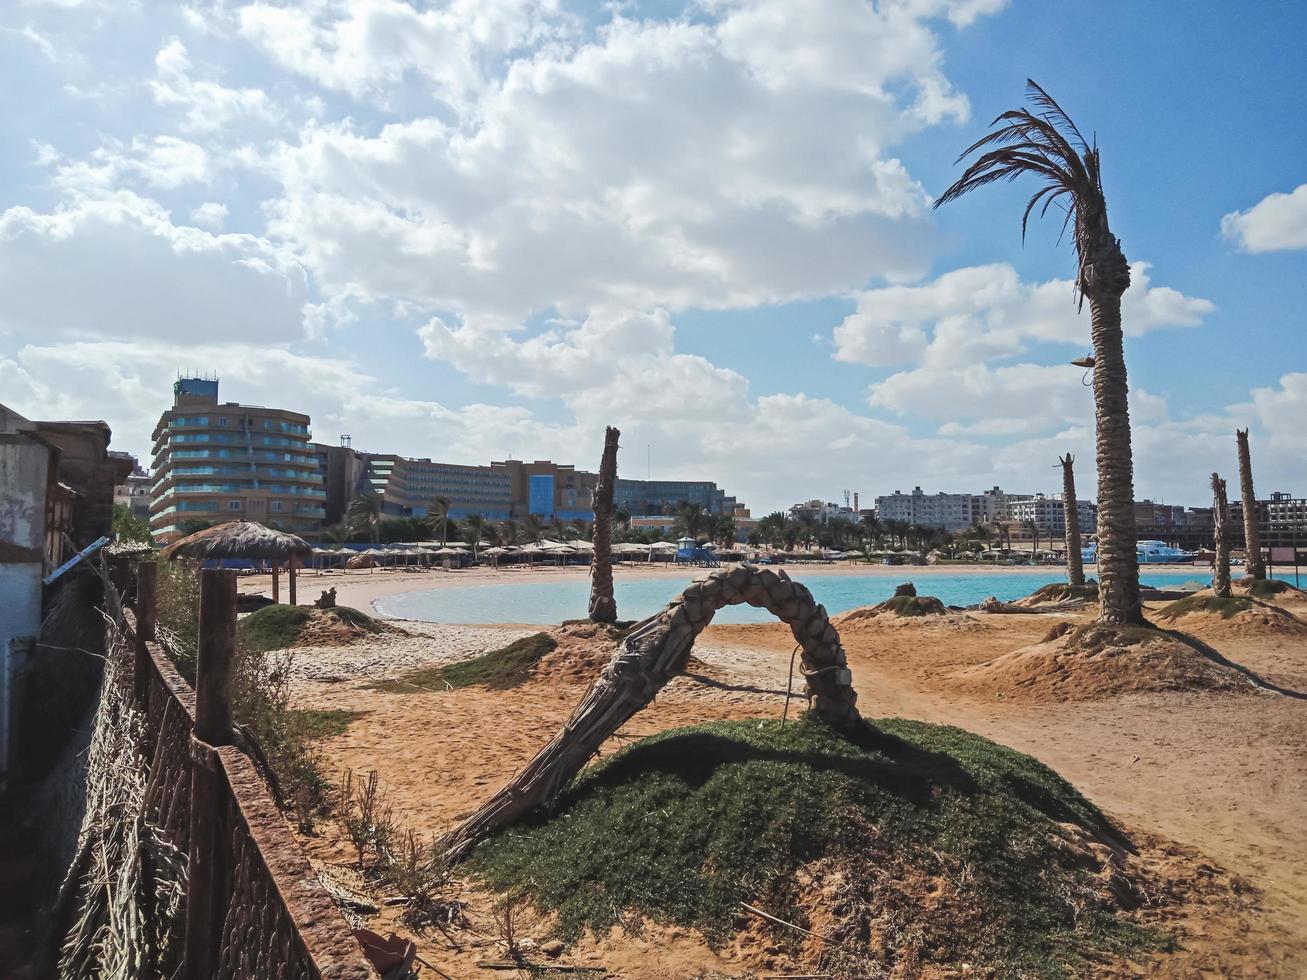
1075, 565
603, 606
1104, 278
652, 654
1221, 530
1252, 536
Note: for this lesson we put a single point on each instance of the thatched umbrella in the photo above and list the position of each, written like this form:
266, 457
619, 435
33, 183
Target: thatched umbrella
249, 540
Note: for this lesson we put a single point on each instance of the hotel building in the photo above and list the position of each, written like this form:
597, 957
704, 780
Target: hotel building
221, 462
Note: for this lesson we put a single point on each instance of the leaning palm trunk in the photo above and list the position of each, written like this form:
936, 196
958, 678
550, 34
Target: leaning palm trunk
654, 652
603, 606
1252, 535
1221, 532
1075, 565
1047, 145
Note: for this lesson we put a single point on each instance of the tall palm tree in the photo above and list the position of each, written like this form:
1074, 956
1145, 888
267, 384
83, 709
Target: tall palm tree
472, 527
1252, 535
533, 527
438, 516
1075, 564
1046, 144
364, 515
1033, 528
603, 605
690, 520
510, 532
1221, 533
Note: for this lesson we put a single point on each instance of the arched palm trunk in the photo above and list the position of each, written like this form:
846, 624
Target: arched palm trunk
1075, 565
1221, 533
1252, 536
652, 654
603, 605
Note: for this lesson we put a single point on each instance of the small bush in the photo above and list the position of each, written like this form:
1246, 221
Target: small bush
316, 723
499, 669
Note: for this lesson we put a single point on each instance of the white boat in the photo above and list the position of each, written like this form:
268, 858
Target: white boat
1147, 553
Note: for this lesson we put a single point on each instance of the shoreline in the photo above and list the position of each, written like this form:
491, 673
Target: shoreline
362, 588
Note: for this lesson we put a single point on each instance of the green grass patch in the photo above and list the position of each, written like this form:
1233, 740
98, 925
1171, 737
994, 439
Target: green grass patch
1225, 608
498, 669
683, 826
279, 626
315, 723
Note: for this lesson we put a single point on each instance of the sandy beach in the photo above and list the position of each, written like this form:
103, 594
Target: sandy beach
1199, 779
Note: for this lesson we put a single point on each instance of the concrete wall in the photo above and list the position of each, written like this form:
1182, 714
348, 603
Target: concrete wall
24, 472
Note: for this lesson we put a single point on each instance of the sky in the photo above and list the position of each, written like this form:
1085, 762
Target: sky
476, 229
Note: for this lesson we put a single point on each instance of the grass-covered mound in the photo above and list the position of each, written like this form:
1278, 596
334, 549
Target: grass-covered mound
1269, 589
1205, 605
498, 669
280, 626
1062, 592
898, 607
923, 844
1096, 661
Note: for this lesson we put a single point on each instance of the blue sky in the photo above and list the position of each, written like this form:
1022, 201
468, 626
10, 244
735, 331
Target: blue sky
477, 228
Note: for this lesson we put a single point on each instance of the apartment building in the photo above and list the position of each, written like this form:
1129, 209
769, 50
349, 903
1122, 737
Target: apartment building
220, 462
823, 511
1048, 513
409, 487
949, 511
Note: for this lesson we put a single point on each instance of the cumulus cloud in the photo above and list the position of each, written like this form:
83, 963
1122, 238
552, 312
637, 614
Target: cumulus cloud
116, 266
206, 105
971, 315
210, 214
1275, 223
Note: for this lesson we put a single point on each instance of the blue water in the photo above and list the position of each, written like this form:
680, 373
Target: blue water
544, 603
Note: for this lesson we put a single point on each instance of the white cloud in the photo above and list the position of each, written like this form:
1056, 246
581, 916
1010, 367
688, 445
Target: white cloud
117, 267
207, 105
1277, 222
365, 47
971, 315
210, 214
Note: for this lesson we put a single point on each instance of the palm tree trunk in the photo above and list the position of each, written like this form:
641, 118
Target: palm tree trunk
652, 653
1075, 566
1118, 560
603, 605
1252, 536
1221, 530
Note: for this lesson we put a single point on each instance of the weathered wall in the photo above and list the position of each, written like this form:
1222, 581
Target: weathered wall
24, 466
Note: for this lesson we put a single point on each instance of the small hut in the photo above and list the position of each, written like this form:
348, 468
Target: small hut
246, 540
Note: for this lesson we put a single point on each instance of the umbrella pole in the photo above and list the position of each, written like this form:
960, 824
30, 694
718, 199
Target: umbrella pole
290, 565
276, 582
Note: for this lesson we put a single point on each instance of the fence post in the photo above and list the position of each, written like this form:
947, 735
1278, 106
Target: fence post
290, 567
217, 645
146, 621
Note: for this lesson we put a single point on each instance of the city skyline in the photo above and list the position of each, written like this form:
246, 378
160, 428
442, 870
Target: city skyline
471, 232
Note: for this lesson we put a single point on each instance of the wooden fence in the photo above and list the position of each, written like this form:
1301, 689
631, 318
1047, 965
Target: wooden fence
254, 908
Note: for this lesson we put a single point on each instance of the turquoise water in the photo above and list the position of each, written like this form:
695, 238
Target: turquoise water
544, 603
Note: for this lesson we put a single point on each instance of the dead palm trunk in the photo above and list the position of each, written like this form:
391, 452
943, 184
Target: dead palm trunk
1049, 146
651, 654
603, 606
1075, 565
1221, 532
1252, 535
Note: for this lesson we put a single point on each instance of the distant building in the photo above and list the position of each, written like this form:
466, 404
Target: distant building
651, 498
947, 511
222, 462
409, 487
1048, 513
823, 512
134, 492
549, 490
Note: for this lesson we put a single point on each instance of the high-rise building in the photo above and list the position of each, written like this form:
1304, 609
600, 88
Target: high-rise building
409, 487
550, 490
221, 462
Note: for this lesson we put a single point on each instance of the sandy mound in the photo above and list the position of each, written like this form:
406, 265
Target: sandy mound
899, 607
1270, 590
1093, 662
340, 626
1237, 616
584, 648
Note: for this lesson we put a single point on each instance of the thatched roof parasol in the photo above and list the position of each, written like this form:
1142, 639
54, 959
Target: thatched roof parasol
240, 539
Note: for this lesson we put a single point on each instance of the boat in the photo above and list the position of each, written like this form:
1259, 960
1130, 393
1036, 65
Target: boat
1147, 553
